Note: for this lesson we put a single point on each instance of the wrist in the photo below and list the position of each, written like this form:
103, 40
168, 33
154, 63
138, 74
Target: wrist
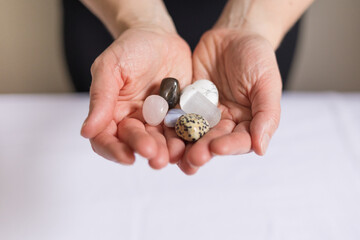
270, 19
250, 18
157, 19
120, 15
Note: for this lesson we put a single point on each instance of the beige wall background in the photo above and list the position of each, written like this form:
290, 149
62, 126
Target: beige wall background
328, 57
31, 58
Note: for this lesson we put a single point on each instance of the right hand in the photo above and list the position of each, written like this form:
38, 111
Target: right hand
128, 71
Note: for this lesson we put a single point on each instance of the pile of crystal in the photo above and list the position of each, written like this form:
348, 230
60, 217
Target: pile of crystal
198, 112
202, 98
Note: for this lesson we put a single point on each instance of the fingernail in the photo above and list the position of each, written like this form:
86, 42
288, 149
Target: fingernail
84, 124
125, 163
193, 166
82, 127
265, 143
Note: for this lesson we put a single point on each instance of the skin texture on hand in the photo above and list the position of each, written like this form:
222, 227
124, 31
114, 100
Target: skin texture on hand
131, 69
240, 62
243, 67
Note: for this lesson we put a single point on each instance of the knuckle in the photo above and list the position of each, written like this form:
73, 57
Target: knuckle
94, 66
97, 64
274, 120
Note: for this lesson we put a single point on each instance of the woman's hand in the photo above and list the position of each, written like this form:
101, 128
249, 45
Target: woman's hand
243, 67
238, 56
131, 69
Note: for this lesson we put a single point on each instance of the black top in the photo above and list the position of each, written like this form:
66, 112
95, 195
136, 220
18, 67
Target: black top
85, 37
194, 17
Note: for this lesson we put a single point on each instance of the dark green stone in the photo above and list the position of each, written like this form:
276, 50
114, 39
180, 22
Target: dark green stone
170, 91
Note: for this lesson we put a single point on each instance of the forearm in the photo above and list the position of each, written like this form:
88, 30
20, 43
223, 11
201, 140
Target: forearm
270, 18
119, 15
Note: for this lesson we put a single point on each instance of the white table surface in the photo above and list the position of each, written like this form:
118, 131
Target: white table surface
52, 186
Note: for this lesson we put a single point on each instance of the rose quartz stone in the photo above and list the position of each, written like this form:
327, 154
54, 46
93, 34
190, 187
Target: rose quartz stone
154, 109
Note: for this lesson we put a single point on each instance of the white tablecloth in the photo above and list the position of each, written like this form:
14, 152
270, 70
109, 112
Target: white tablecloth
52, 186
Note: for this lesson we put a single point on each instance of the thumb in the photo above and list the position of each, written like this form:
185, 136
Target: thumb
104, 91
265, 107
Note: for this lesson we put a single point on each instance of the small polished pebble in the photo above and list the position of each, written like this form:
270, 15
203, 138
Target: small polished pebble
172, 116
199, 104
205, 87
154, 109
170, 91
191, 127
208, 89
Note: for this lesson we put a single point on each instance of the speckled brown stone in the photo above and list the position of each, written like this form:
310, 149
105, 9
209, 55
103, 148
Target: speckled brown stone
191, 127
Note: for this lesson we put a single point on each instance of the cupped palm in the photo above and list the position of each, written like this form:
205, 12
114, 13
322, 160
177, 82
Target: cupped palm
131, 69
244, 69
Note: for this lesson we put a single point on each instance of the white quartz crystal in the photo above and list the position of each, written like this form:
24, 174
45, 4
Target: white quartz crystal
196, 102
205, 87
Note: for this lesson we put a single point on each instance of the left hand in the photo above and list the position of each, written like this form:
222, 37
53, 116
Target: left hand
243, 66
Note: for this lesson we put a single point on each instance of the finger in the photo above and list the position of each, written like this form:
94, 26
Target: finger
104, 90
200, 153
184, 165
175, 145
133, 133
236, 142
265, 106
108, 146
162, 157
200, 71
